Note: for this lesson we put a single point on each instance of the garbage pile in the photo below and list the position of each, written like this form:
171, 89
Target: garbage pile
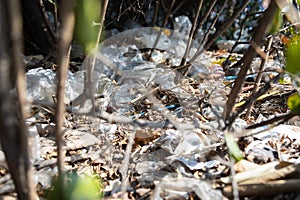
174, 123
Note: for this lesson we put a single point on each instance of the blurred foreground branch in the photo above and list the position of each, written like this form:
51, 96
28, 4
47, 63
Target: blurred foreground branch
14, 136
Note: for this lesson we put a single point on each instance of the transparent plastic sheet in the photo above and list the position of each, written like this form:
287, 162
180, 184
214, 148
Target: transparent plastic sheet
41, 85
44, 177
183, 24
125, 53
125, 58
177, 188
180, 149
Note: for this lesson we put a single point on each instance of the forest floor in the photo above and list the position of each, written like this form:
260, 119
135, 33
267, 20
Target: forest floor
156, 134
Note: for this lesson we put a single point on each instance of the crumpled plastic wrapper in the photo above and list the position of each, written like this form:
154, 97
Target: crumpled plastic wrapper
184, 147
41, 84
276, 141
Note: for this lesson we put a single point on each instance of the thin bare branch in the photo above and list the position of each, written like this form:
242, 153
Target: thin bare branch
221, 29
89, 86
14, 136
206, 14
250, 100
259, 75
65, 38
92, 66
249, 55
46, 20
227, 23
163, 25
125, 165
191, 36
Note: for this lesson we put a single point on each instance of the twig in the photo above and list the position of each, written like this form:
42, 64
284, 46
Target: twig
65, 38
250, 99
163, 5
280, 119
14, 138
191, 36
46, 20
227, 23
126, 162
179, 6
270, 188
89, 86
205, 16
259, 75
155, 12
163, 25
92, 66
237, 42
205, 37
234, 184
121, 119
17, 47
55, 18
250, 54
184, 68
222, 29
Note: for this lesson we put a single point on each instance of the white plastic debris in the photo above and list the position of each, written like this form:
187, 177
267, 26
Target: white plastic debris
276, 141
34, 144
183, 24
41, 84
134, 60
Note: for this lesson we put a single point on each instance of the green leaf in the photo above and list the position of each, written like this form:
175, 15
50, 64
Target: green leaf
276, 24
233, 147
293, 102
76, 187
87, 15
85, 187
293, 56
